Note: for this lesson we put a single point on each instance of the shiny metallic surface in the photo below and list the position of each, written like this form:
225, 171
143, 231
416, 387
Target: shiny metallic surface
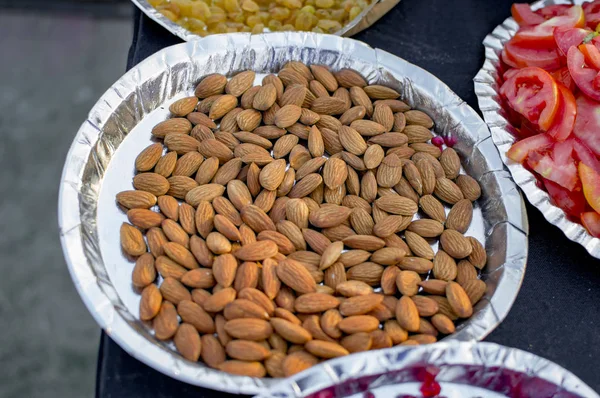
487, 85
461, 369
101, 158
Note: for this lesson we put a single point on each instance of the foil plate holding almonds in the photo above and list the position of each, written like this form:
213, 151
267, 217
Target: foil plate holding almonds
126, 131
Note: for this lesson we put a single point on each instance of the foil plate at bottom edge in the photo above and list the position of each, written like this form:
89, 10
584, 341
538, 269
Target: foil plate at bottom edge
503, 133
142, 96
463, 370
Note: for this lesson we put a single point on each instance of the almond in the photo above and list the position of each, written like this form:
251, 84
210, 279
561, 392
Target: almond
369, 273
148, 158
150, 303
373, 157
427, 149
455, 244
169, 268
293, 95
329, 216
201, 278
361, 221
407, 314
175, 233
180, 254
364, 242
132, 240
408, 282
475, 289
349, 78
325, 77
354, 288
434, 286
214, 148
383, 115
443, 324
359, 305
192, 313
238, 194
328, 106
351, 140
136, 199
297, 362
240, 83
448, 191
418, 245
284, 145
358, 324
175, 125
404, 189
390, 140
169, 206
188, 343
417, 264
246, 350
450, 163
265, 97
390, 225
244, 308
460, 216
188, 164
153, 183
459, 300
305, 186
173, 291
335, 275
257, 251
469, 187
243, 368
290, 76
418, 118
213, 353
249, 329
144, 219
425, 305
294, 275
433, 208
276, 82
257, 219
381, 92
144, 272
426, 228
395, 332
211, 85
478, 256
287, 115
388, 280
179, 186
291, 332
397, 205
360, 98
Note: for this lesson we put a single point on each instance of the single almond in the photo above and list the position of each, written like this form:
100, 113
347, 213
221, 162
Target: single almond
448, 191
154, 183
432, 207
407, 314
294, 275
213, 353
360, 305
177, 125
187, 341
418, 245
459, 300
426, 228
315, 302
425, 305
455, 244
132, 240
460, 216
358, 324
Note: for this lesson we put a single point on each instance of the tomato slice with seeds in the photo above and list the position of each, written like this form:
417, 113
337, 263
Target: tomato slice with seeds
587, 123
519, 56
520, 150
582, 75
565, 117
566, 38
533, 93
591, 222
572, 202
542, 35
524, 16
561, 171
591, 54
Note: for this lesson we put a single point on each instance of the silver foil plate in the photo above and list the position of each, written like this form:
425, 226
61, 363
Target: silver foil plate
100, 164
463, 370
487, 85
349, 29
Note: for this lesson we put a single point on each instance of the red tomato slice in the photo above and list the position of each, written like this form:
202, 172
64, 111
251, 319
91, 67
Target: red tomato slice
507, 75
585, 155
519, 56
587, 123
521, 149
564, 174
553, 10
527, 129
572, 202
566, 38
565, 117
542, 35
590, 181
563, 76
582, 76
591, 54
534, 94
592, 13
591, 222
522, 13
562, 152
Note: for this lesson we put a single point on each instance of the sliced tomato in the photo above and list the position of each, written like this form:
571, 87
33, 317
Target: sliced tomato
553, 10
524, 16
564, 174
566, 38
585, 155
562, 152
572, 202
591, 54
565, 117
542, 35
587, 123
509, 73
591, 222
582, 75
527, 129
592, 13
519, 56
590, 181
534, 94
521, 149
563, 76
596, 82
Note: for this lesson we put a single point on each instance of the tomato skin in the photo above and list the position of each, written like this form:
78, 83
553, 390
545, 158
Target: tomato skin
585, 155
564, 121
553, 10
564, 174
524, 16
590, 181
519, 56
592, 13
563, 76
520, 150
566, 38
534, 94
572, 202
587, 123
591, 54
542, 35
583, 77
591, 222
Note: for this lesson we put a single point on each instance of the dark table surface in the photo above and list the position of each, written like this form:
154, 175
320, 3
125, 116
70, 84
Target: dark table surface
557, 312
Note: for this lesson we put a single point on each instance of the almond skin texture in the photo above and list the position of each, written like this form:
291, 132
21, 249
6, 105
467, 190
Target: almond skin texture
296, 276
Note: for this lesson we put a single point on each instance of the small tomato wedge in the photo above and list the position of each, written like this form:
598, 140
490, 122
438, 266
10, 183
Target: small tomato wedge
521, 149
590, 181
566, 38
519, 56
587, 123
542, 35
563, 173
533, 93
591, 54
524, 16
565, 117
591, 222
563, 76
582, 75
572, 202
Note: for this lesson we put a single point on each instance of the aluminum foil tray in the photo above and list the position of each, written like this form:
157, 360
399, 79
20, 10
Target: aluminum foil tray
487, 85
462, 370
100, 164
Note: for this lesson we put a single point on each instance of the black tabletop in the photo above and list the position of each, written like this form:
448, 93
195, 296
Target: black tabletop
557, 312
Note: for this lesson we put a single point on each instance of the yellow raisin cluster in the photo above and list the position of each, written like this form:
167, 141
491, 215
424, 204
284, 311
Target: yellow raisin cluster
205, 17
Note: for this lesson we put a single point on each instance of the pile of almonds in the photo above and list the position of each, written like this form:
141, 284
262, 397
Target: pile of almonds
259, 268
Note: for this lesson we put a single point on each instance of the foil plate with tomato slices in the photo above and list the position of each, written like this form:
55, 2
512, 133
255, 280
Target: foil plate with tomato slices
539, 92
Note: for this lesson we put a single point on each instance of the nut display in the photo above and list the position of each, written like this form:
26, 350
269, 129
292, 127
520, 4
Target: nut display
279, 225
